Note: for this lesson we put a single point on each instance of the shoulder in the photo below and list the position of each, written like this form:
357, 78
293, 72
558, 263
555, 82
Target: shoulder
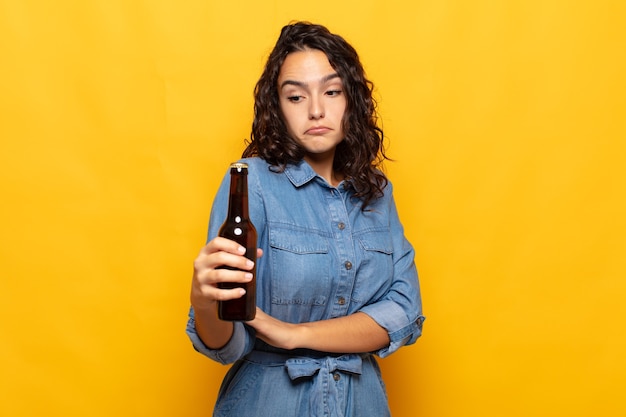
255, 162
387, 190
384, 182
258, 167
262, 175
383, 201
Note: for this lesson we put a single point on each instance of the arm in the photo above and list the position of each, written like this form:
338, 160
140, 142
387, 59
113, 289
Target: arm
355, 333
221, 341
205, 294
399, 311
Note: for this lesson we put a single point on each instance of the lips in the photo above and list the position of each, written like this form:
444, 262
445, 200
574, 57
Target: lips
318, 130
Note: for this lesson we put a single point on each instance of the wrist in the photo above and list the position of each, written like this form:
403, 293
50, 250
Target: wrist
205, 307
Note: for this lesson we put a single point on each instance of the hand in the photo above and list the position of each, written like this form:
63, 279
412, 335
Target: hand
274, 332
219, 252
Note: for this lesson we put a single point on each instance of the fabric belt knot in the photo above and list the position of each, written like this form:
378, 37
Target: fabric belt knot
303, 367
327, 398
328, 388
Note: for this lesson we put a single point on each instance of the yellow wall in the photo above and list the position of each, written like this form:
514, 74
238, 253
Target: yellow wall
507, 120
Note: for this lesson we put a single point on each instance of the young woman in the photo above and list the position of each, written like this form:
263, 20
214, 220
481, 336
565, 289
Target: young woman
336, 279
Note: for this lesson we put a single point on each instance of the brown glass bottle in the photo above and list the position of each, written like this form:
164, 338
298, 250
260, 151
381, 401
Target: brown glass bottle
239, 228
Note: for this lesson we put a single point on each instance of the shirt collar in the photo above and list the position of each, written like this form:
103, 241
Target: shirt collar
300, 173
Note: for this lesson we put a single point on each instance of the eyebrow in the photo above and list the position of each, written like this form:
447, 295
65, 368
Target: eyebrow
324, 80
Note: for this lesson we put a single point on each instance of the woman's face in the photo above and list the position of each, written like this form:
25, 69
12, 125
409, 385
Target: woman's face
312, 102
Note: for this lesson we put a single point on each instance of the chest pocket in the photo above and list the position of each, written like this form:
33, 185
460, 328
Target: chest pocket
376, 268
300, 264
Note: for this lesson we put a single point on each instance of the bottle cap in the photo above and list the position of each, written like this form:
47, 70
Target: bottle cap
239, 166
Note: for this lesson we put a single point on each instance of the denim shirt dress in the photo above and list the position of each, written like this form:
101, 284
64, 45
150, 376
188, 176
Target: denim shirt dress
322, 258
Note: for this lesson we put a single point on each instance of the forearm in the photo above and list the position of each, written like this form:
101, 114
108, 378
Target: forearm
215, 333
205, 291
355, 333
350, 334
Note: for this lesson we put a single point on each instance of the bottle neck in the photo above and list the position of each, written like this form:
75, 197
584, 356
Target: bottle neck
238, 202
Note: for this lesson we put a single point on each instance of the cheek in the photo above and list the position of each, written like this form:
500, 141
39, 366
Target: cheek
344, 105
291, 120
340, 110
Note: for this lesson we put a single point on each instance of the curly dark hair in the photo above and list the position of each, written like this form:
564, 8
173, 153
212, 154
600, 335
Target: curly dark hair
360, 155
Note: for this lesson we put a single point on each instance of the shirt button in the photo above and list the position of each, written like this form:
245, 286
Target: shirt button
336, 376
341, 301
348, 265
341, 226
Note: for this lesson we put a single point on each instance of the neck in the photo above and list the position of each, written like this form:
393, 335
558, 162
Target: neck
323, 166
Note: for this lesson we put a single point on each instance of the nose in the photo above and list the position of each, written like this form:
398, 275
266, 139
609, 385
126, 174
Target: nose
316, 109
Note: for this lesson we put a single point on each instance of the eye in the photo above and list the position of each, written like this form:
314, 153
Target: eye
333, 93
295, 99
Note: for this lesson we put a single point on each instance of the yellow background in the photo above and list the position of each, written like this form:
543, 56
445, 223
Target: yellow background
506, 120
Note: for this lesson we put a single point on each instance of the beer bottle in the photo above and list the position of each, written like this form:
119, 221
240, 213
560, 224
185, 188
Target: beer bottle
239, 228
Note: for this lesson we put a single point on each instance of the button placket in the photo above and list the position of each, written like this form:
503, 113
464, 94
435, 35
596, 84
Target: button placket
340, 225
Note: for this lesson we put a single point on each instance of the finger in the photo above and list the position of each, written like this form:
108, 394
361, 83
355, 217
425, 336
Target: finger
222, 259
223, 276
226, 245
211, 272
206, 295
231, 294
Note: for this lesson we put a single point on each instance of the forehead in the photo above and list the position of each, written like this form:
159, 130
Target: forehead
309, 65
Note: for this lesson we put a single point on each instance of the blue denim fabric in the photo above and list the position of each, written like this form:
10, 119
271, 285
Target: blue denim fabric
323, 258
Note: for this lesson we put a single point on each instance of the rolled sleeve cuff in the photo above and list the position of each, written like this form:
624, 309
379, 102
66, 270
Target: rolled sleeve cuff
393, 318
232, 351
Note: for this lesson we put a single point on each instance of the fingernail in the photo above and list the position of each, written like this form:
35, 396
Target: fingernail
249, 263
242, 291
248, 276
241, 249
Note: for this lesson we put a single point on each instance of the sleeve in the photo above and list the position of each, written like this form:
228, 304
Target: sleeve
239, 344
399, 311
242, 340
